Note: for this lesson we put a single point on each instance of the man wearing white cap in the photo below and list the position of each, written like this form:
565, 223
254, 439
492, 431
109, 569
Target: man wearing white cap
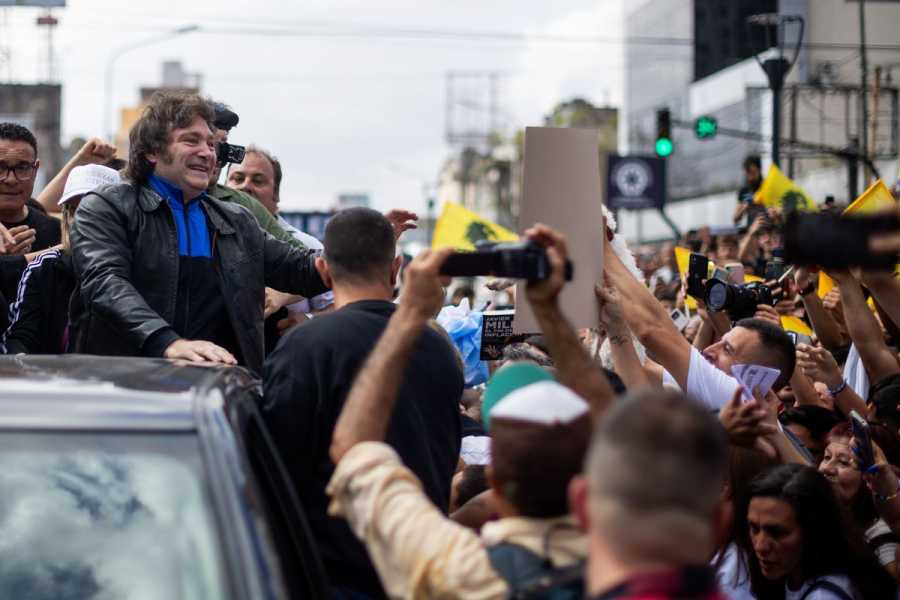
540, 431
39, 314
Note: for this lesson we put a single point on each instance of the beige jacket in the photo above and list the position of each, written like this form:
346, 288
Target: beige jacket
417, 551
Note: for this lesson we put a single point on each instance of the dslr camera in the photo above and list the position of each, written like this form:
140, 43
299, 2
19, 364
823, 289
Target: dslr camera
511, 260
740, 301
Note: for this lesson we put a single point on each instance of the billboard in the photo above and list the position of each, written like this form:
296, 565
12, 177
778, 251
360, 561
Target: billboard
635, 182
40, 3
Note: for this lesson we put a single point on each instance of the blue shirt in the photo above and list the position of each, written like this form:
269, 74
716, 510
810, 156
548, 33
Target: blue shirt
190, 221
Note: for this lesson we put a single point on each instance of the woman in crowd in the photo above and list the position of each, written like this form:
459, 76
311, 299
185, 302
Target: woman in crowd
842, 470
799, 545
39, 314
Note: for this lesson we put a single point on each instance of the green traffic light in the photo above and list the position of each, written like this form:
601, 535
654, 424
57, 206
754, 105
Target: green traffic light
664, 147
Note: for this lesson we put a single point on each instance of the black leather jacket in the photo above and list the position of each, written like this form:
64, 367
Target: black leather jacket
125, 249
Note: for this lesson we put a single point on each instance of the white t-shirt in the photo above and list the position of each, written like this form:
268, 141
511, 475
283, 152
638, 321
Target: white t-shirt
317, 302
707, 384
733, 578
842, 581
855, 373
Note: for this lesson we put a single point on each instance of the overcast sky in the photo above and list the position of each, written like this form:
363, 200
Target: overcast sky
344, 112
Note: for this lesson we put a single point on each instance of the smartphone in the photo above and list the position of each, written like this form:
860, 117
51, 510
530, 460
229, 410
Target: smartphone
680, 319
698, 271
735, 273
863, 440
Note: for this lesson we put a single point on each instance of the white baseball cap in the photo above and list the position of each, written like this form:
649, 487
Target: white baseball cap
87, 178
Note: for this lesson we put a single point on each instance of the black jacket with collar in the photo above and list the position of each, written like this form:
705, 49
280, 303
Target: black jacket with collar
125, 250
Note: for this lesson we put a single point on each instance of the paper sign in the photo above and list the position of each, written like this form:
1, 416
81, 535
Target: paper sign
563, 188
496, 332
755, 377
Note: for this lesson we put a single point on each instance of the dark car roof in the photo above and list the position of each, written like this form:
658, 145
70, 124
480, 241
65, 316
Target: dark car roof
79, 391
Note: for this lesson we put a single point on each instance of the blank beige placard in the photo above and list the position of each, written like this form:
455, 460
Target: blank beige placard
563, 188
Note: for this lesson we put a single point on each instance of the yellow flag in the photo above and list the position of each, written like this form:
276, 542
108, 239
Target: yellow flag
796, 325
777, 191
825, 284
461, 228
874, 200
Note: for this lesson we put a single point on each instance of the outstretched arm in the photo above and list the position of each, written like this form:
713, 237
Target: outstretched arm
94, 151
649, 321
865, 332
575, 368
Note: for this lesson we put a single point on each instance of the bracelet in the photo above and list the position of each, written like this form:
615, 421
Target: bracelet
840, 388
809, 289
881, 498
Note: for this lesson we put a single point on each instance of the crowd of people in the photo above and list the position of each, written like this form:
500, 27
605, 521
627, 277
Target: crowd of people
631, 460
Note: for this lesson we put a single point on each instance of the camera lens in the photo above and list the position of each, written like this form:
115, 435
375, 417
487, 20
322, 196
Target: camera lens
716, 295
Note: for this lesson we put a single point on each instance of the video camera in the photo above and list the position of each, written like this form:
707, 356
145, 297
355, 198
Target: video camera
229, 153
834, 242
512, 260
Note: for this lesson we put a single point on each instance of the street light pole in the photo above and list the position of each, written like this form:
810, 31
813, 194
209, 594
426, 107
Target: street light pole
117, 53
777, 67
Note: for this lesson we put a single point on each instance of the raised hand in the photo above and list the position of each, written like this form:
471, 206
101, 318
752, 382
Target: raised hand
546, 292
819, 365
423, 293
401, 220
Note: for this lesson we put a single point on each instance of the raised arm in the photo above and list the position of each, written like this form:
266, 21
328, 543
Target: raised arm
575, 368
886, 289
94, 151
649, 321
625, 359
865, 332
827, 329
369, 404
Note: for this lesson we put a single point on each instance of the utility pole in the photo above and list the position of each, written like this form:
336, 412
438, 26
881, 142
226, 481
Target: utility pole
776, 67
864, 90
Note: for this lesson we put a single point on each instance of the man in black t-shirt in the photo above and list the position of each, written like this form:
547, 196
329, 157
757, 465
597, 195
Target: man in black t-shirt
18, 165
28, 228
308, 376
746, 210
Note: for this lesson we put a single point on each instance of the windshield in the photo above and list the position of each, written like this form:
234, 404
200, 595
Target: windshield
105, 516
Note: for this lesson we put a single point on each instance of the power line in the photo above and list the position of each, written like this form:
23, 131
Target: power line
338, 31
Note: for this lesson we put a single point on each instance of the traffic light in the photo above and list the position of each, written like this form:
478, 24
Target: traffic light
706, 127
664, 145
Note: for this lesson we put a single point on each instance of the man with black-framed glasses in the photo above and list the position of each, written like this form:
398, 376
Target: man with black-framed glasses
26, 229
32, 230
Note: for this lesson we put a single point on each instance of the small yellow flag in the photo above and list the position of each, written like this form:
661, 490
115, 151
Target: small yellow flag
796, 325
777, 191
877, 198
826, 283
683, 258
461, 228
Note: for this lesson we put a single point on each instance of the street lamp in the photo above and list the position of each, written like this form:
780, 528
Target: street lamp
108, 79
776, 67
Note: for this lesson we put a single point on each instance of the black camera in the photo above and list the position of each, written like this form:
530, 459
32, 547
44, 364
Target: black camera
229, 153
834, 242
740, 301
512, 260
